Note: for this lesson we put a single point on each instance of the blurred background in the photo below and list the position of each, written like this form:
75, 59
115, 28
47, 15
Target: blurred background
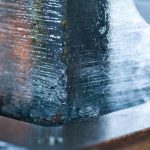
144, 8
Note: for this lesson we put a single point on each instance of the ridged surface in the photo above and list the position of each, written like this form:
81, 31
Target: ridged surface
109, 45
32, 75
61, 60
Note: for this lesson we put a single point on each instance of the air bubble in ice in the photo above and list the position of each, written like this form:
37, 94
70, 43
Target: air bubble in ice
102, 30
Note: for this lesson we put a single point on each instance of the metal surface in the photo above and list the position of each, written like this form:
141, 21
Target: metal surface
8, 146
62, 60
78, 134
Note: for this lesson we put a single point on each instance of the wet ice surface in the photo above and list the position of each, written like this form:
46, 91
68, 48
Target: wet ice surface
58, 64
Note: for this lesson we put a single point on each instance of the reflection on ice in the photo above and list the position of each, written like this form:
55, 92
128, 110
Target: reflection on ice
32, 74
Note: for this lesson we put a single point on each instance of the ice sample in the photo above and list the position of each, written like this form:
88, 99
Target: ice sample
62, 60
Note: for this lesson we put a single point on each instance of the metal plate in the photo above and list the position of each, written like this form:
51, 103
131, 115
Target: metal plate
79, 134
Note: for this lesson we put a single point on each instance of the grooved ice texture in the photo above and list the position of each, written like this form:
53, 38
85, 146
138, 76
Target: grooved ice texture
32, 79
69, 59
